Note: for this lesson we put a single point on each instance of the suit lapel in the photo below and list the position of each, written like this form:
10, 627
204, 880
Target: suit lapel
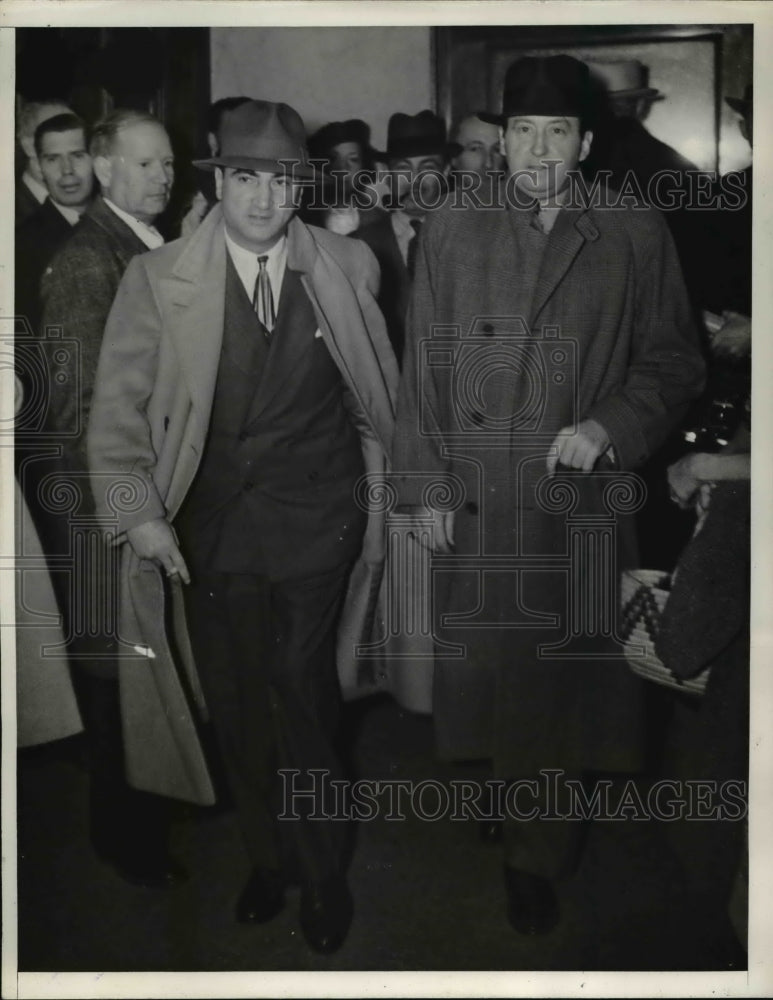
127, 243
287, 346
570, 232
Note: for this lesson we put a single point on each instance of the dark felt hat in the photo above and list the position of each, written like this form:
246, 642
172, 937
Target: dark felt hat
262, 135
544, 85
325, 139
416, 135
743, 105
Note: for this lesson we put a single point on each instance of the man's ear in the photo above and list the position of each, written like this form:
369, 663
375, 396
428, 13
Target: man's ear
585, 145
502, 141
103, 170
218, 183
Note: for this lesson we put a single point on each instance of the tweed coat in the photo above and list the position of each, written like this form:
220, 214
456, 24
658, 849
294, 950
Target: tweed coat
37, 240
148, 428
485, 390
77, 291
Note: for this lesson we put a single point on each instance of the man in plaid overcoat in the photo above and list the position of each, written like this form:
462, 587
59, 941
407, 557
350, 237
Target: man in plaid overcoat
550, 350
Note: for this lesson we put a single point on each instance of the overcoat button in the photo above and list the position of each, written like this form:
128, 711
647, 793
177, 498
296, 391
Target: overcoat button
471, 507
488, 329
476, 417
248, 486
313, 475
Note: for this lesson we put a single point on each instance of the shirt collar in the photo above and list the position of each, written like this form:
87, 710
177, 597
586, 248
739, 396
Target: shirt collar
38, 190
402, 222
246, 264
149, 235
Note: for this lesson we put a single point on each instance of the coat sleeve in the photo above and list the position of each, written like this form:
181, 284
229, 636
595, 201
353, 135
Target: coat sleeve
665, 369
419, 461
120, 451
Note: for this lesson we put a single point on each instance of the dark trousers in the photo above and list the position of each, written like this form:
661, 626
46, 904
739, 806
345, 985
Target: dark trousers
125, 824
544, 846
265, 652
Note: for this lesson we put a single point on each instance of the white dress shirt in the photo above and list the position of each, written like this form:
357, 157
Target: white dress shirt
247, 267
403, 230
149, 235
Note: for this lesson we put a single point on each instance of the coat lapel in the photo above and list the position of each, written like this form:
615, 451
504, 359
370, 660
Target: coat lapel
193, 300
127, 243
570, 232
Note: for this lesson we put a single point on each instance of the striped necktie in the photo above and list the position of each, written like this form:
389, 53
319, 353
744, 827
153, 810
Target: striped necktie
263, 299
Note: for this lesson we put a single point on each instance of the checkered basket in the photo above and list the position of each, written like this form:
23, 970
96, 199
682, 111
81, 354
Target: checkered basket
643, 596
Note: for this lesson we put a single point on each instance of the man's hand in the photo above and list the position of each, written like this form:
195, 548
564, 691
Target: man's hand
580, 450
734, 337
156, 540
683, 481
442, 529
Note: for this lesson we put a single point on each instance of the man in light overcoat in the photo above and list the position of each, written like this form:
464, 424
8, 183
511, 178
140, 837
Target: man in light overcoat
245, 385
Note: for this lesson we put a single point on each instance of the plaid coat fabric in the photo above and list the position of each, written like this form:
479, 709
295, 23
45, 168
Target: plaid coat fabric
487, 384
77, 291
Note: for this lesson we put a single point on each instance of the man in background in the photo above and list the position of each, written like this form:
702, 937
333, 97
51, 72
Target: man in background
132, 160
31, 190
476, 146
417, 156
65, 166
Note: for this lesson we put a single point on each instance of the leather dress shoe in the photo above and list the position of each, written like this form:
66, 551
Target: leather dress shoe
326, 913
490, 830
532, 907
262, 897
148, 871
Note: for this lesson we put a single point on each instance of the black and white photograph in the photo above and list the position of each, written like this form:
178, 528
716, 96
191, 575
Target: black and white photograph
385, 583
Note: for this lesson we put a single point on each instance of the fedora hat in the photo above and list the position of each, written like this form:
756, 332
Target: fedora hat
743, 105
544, 85
624, 78
415, 135
264, 136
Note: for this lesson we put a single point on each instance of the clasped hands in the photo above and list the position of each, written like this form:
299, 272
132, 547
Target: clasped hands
573, 449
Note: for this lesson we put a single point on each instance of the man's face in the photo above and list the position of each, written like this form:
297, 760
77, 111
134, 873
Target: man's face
138, 174
257, 206
346, 156
66, 167
481, 150
27, 142
418, 185
548, 148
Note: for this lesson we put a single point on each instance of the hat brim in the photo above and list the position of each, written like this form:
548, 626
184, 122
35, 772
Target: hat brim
417, 147
299, 171
490, 118
738, 104
650, 92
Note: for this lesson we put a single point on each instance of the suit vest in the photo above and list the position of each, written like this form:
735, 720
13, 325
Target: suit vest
274, 491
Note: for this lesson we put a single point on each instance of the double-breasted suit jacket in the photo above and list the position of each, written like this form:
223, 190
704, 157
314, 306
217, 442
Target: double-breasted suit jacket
491, 375
149, 427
